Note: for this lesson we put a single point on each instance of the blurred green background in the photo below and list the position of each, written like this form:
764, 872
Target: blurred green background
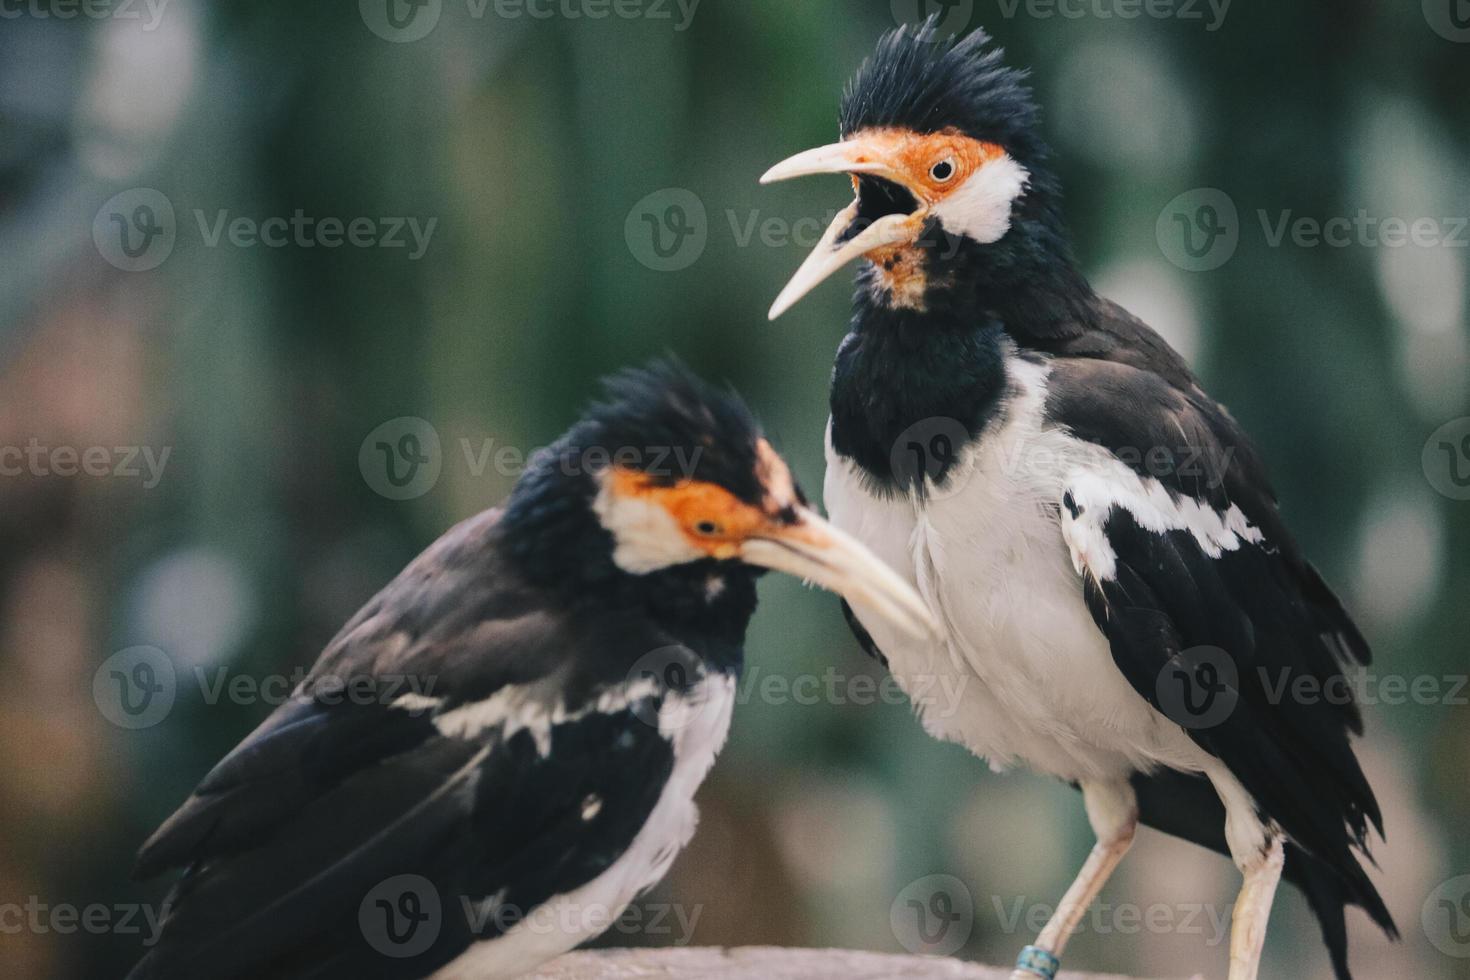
547, 145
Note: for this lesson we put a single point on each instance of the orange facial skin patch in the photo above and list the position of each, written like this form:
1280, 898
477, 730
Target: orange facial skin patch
912, 156
899, 268
693, 504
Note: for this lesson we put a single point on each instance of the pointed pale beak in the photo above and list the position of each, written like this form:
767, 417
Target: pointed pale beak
838, 246
848, 157
817, 552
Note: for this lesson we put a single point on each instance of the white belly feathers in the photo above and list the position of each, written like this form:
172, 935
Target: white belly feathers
986, 551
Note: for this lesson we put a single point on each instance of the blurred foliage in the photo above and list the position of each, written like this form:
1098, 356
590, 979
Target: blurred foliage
531, 142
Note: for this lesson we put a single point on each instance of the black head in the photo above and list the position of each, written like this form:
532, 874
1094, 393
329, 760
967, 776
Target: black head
955, 207
922, 83
667, 481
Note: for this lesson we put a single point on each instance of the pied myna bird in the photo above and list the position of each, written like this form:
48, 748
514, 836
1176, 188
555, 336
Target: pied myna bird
1095, 533
498, 753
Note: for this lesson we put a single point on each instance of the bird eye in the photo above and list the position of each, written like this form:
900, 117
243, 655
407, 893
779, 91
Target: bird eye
707, 528
943, 170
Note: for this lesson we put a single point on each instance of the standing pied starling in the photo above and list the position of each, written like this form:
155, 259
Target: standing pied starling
499, 752
1094, 532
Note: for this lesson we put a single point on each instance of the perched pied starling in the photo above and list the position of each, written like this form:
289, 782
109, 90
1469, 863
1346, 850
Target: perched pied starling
1094, 532
499, 752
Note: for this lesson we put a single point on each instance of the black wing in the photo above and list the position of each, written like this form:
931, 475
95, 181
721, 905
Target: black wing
1221, 635
318, 847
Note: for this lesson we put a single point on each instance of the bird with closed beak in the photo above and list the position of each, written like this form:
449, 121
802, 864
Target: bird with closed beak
499, 752
1095, 534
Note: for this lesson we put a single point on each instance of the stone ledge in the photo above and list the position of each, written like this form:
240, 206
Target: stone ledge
767, 963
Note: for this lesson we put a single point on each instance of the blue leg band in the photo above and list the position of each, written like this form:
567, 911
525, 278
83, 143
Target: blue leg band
1034, 959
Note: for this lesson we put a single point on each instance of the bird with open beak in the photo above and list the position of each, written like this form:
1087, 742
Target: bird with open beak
499, 752
1095, 533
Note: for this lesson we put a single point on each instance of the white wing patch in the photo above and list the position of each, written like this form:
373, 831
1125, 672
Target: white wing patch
1111, 484
519, 707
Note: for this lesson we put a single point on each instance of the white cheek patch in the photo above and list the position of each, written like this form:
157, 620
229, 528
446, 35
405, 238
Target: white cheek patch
646, 537
980, 208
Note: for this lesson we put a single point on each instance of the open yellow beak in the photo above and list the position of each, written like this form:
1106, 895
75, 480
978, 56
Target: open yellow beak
844, 239
815, 551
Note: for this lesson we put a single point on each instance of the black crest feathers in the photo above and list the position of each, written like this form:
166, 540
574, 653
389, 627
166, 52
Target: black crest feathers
918, 80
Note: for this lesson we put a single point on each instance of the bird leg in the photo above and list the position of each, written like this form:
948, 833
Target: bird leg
1112, 809
1253, 909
